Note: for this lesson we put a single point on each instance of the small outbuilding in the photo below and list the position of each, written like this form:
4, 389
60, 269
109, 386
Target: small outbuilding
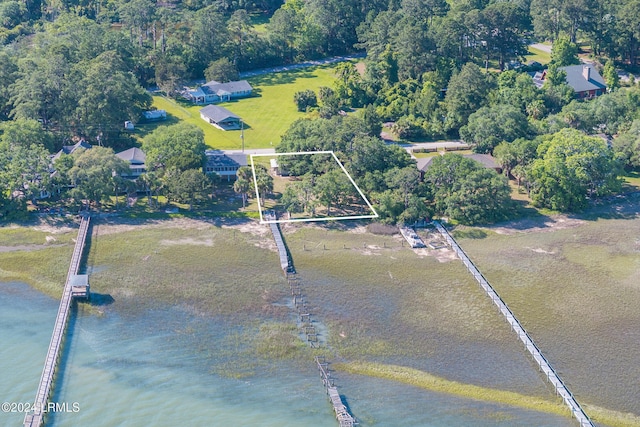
154, 115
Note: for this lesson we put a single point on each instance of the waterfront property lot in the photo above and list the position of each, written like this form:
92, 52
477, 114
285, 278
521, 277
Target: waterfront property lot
266, 116
346, 199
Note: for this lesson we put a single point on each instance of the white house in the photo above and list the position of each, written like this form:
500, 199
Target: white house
213, 92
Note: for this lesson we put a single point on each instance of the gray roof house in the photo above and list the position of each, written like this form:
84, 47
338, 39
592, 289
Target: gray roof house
585, 80
136, 159
70, 149
220, 117
224, 164
214, 91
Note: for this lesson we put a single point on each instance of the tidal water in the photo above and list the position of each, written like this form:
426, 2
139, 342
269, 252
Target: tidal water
166, 367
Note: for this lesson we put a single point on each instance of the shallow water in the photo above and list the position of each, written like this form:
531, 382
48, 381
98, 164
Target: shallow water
162, 367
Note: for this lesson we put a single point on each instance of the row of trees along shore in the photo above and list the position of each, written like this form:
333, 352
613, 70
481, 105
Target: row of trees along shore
77, 70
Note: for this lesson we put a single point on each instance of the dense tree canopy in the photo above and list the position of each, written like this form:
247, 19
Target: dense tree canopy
179, 146
467, 192
571, 167
95, 173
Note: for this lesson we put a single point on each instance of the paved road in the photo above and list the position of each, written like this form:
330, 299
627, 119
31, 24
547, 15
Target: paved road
307, 64
542, 47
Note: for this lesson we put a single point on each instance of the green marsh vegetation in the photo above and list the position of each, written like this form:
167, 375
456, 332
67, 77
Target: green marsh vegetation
223, 269
382, 302
427, 381
574, 284
37, 253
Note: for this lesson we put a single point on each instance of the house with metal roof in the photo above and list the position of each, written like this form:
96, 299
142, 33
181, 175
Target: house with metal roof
213, 92
224, 164
585, 80
220, 117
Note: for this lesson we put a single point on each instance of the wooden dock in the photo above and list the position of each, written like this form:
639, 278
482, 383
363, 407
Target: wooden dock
342, 413
285, 261
35, 418
545, 367
345, 419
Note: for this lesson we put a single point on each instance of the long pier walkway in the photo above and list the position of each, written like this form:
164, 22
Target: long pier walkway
345, 419
35, 417
545, 367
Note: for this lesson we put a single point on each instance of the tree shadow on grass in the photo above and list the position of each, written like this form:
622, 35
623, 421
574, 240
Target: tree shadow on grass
623, 206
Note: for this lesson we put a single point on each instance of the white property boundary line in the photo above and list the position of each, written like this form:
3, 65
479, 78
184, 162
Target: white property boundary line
331, 218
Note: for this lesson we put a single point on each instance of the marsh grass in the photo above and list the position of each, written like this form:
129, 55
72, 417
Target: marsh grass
38, 233
44, 269
430, 382
576, 291
45, 266
383, 302
214, 270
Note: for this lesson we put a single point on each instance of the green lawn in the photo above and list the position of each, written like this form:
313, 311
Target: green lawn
259, 22
538, 55
266, 116
632, 181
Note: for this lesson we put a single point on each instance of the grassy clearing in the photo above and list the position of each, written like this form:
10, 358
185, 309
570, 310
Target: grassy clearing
632, 181
538, 55
259, 21
266, 116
